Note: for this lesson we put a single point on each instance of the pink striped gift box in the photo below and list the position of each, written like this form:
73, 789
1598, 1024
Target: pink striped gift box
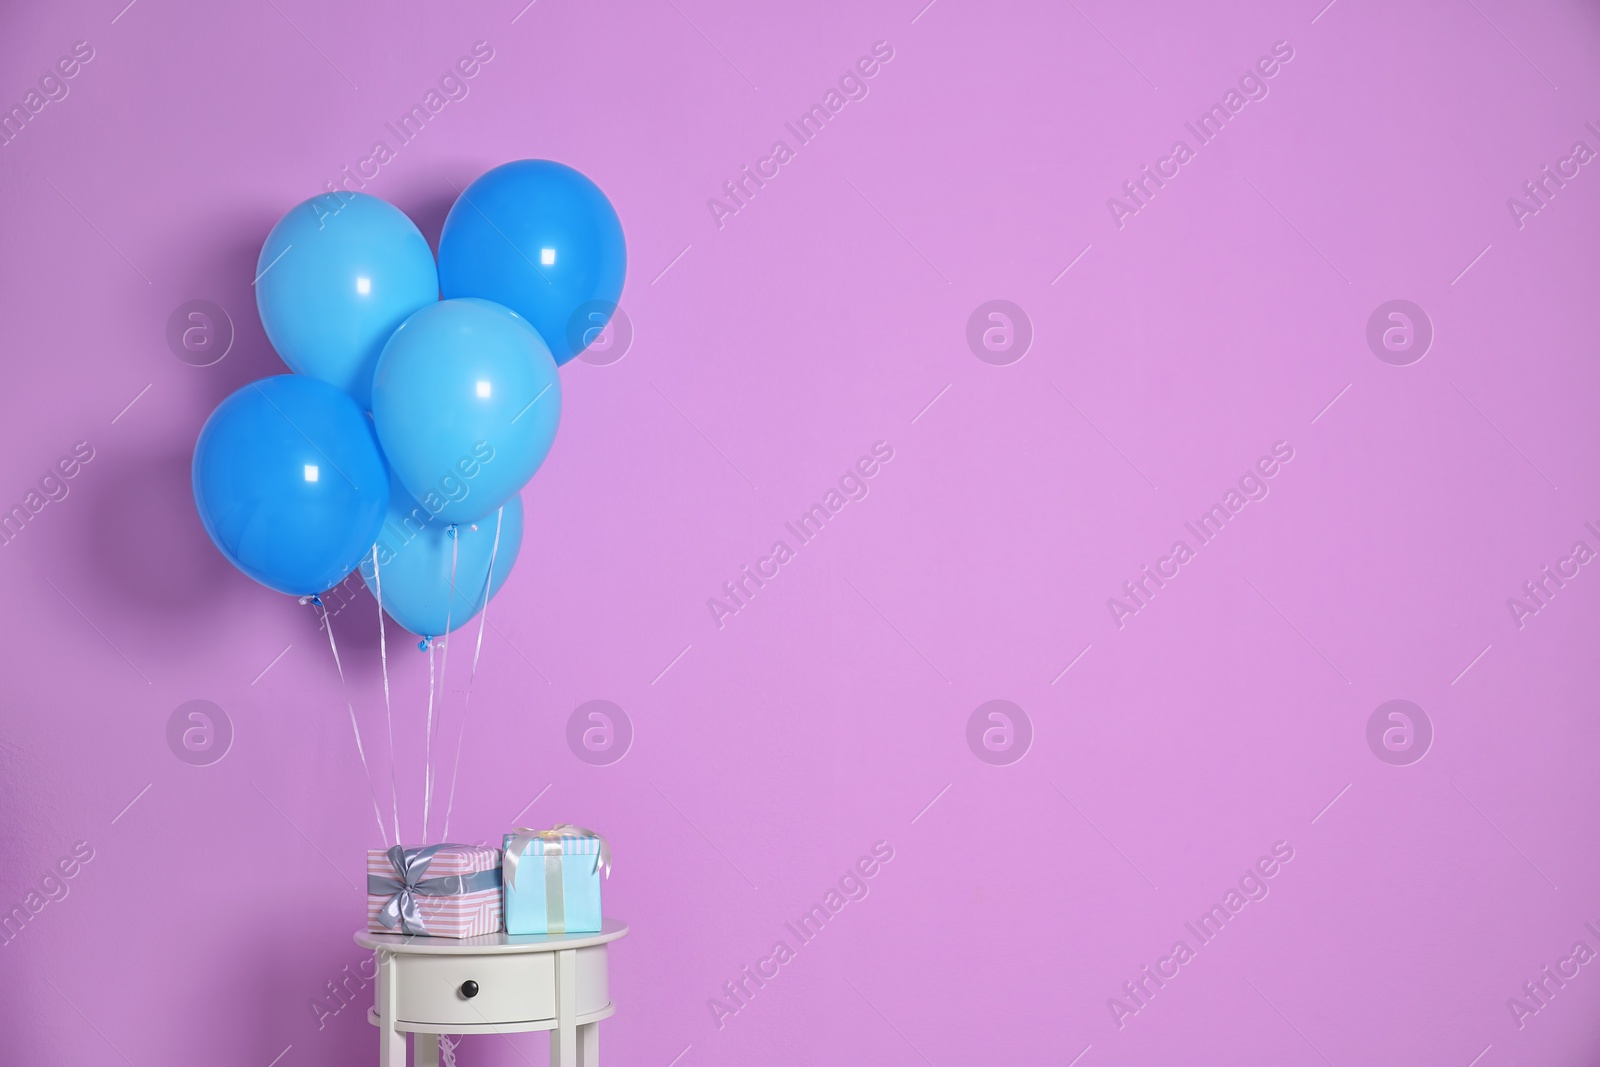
419, 891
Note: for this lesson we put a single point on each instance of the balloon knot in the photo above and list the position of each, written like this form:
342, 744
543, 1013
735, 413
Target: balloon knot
317, 600
451, 530
424, 644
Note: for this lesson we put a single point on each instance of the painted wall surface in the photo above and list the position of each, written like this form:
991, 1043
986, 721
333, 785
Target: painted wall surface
1198, 502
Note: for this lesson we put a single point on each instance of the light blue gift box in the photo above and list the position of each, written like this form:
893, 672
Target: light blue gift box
551, 880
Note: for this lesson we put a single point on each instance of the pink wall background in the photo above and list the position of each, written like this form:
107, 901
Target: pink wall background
1229, 714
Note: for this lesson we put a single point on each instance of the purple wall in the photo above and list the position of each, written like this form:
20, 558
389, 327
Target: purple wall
1175, 738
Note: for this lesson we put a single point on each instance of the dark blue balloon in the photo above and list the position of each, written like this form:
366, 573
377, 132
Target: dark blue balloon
290, 483
543, 240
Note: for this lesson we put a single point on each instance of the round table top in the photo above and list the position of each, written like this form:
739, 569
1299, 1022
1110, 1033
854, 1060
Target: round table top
490, 944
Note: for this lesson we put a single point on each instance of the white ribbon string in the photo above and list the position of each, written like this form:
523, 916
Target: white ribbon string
427, 743
444, 665
360, 749
388, 713
483, 618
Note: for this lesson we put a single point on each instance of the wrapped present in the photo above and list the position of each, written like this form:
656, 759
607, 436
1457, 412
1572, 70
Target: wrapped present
439, 891
552, 880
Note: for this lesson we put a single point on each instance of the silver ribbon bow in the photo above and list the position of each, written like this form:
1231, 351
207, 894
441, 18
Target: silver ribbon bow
550, 845
410, 864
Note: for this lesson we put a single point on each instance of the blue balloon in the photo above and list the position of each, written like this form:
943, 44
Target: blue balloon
337, 274
414, 564
544, 241
465, 400
289, 483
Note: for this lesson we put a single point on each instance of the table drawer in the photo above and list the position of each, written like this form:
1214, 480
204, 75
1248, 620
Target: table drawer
511, 988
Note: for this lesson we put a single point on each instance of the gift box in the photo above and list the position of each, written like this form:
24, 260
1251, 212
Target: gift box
438, 891
552, 880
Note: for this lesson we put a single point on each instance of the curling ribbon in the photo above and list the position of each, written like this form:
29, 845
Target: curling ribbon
327, 624
483, 618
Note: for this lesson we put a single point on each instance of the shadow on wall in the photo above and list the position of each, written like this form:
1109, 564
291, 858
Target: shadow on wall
428, 198
354, 615
150, 551
148, 547
218, 263
21, 836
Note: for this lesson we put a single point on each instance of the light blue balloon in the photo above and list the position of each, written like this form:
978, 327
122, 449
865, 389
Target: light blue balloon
466, 400
543, 240
414, 564
337, 274
289, 483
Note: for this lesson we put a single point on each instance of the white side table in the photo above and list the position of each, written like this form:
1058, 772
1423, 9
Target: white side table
494, 984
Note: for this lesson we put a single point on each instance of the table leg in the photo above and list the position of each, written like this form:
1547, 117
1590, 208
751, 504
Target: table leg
564, 1038
589, 1045
391, 1047
391, 1042
425, 1050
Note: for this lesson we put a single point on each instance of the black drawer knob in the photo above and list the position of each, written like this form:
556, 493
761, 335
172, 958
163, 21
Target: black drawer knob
469, 989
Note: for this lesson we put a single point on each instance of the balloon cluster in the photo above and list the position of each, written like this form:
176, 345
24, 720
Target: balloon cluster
425, 396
